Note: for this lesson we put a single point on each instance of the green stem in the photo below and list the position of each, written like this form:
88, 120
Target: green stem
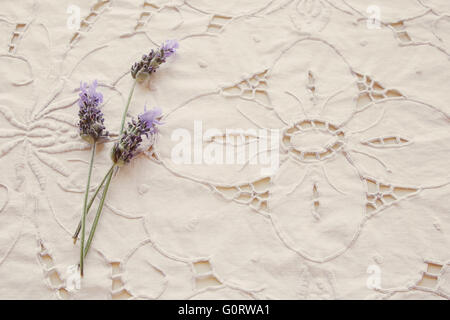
86, 196
108, 177
99, 211
125, 112
77, 232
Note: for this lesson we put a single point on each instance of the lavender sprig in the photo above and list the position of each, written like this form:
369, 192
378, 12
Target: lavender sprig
124, 150
151, 62
91, 121
91, 129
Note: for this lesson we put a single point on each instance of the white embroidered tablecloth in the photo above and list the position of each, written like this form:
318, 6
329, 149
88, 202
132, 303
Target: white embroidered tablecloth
358, 208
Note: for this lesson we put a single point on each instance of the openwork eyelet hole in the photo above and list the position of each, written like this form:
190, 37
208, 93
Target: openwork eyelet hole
312, 140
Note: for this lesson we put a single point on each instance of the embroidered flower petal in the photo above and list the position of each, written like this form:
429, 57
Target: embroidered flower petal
319, 214
402, 137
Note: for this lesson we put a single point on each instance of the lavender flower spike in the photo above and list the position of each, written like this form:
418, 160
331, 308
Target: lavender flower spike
91, 118
151, 117
124, 150
151, 62
169, 47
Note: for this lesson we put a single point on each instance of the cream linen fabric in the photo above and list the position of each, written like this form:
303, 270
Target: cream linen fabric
364, 216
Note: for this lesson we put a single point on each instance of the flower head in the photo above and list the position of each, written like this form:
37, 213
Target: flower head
150, 118
91, 118
126, 148
169, 47
151, 62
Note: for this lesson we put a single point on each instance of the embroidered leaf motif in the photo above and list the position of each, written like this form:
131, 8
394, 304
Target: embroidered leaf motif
8, 146
64, 118
251, 88
41, 143
386, 142
58, 105
9, 115
7, 133
255, 194
380, 195
73, 146
37, 171
237, 138
52, 163
371, 90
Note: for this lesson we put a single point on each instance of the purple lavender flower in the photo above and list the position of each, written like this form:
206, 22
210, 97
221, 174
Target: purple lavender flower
151, 117
91, 118
169, 47
126, 148
151, 62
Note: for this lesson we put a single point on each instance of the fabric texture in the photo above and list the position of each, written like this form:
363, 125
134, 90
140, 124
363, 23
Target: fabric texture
358, 208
